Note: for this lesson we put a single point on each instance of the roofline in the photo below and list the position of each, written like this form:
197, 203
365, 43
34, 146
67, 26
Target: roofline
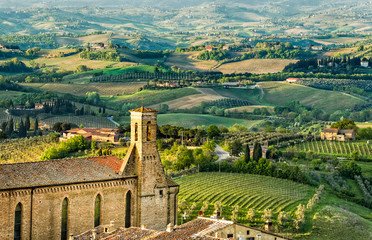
66, 184
264, 231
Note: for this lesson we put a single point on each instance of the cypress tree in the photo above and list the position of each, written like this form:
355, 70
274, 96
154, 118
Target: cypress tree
9, 127
22, 132
36, 126
247, 153
27, 123
257, 151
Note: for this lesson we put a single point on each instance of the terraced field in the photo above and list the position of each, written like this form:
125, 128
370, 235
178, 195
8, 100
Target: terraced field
104, 89
258, 66
339, 148
25, 149
5, 95
245, 190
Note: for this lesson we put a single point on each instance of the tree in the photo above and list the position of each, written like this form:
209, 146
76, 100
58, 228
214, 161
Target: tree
213, 131
283, 217
93, 144
257, 151
267, 215
251, 215
82, 68
235, 214
218, 206
22, 132
205, 206
9, 127
247, 153
345, 124
36, 126
300, 216
235, 147
27, 123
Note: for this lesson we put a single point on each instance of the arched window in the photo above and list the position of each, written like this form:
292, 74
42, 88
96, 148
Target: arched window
97, 211
128, 209
148, 131
18, 222
136, 132
64, 220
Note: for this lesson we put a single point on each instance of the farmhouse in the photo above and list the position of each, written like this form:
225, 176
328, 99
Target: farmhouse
317, 48
226, 47
335, 134
364, 63
54, 199
97, 134
200, 228
292, 80
210, 48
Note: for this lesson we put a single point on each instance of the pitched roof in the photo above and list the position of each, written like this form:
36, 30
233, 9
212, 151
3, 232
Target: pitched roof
143, 109
330, 130
61, 171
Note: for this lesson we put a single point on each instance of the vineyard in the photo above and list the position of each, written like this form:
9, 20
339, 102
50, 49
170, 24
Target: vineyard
277, 139
338, 148
330, 84
25, 149
245, 190
86, 121
228, 103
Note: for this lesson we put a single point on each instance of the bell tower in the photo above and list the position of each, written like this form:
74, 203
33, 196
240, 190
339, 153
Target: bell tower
156, 198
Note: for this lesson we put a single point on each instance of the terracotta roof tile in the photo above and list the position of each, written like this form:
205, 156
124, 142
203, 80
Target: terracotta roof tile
61, 171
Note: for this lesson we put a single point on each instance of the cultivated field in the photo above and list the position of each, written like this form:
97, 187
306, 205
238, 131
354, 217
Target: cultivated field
245, 190
104, 89
279, 93
250, 109
25, 149
206, 95
255, 66
188, 61
7, 95
334, 147
86, 121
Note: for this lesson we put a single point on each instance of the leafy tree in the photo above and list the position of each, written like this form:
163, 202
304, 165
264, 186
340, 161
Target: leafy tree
267, 215
93, 145
345, 124
82, 68
251, 215
2, 135
247, 153
235, 147
257, 151
350, 169
235, 214
283, 218
213, 131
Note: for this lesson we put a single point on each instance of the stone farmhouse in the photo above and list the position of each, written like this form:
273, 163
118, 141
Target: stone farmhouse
201, 228
97, 134
52, 200
335, 134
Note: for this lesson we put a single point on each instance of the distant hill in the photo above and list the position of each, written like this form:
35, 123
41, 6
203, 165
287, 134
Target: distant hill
152, 17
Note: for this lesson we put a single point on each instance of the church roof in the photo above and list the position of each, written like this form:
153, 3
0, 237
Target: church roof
57, 172
143, 110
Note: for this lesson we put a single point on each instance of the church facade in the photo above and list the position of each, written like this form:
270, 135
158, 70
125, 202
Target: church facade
59, 198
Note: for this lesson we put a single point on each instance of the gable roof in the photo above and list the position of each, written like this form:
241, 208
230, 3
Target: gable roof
330, 130
61, 171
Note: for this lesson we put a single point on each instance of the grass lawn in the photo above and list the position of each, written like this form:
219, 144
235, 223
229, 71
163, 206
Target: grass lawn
279, 93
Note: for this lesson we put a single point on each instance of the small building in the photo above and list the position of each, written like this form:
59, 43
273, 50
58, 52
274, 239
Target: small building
44, 126
334, 134
210, 48
201, 228
364, 64
292, 80
317, 48
97, 134
226, 47
233, 84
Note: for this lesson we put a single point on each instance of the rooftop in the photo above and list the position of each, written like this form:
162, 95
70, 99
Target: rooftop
60, 171
143, 110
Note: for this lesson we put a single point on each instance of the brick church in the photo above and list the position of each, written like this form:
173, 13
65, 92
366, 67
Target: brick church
58, 198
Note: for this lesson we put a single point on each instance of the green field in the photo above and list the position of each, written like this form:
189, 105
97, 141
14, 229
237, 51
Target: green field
151, 97
104, 89
279, 93
337, 148
85, 120
6, 95
245, 190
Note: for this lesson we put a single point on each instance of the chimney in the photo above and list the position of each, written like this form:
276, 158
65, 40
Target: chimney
71, 237
268, 226
143, 226
216, 214
170, 227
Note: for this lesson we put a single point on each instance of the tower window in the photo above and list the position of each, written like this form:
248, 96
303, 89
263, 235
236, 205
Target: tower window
136, 132
64, 220
148, 131
161, 193
97, 211
128, 209
18, 222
